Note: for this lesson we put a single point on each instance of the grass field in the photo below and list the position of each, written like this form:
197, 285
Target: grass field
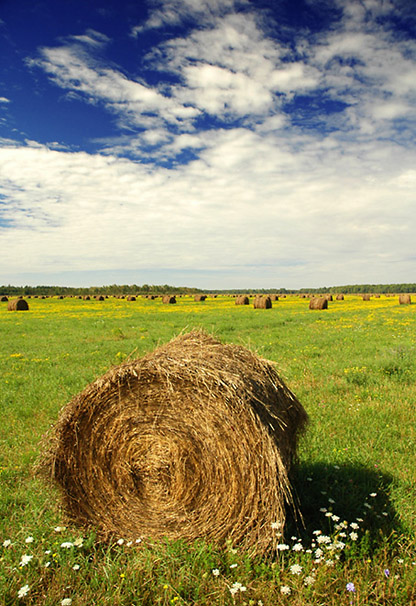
352, 366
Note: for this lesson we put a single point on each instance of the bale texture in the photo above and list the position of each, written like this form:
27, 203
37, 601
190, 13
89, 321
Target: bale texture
192, 441
242, 300
405, 299
262, 302
18, 305
340, 297
168, 299
366, 297
318, 303
198, 298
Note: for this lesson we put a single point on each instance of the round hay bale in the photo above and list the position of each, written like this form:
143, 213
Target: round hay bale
86, 297
262, 302
200, 297
340, 297
18, 305
168, 299
242, 300
405, 299
366, 297
329, 297
131, 298
4, 299
194, 440
274, 297
318, 303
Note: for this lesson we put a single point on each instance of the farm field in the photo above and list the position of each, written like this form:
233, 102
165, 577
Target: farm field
352, 366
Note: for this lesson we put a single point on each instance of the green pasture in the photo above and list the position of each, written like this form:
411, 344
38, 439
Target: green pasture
352, 366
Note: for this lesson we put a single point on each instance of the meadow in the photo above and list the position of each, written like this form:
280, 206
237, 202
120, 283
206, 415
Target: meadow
352, 366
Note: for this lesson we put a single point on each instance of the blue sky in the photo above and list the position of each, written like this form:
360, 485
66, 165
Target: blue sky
209, 143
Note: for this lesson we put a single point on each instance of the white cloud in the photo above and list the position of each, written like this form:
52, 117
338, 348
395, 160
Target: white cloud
4, 100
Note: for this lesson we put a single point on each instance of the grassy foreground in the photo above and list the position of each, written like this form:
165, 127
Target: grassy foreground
352, 366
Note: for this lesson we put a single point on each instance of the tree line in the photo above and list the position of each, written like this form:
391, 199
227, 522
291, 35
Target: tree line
144, 289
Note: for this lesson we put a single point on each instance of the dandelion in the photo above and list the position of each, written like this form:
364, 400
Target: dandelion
285, 590
351, 587
29, 540
7, 543
23, 591
295, 569
67, 545
215, 572
25, 560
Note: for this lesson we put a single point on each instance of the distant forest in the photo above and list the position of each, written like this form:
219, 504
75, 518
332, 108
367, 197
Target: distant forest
134, 289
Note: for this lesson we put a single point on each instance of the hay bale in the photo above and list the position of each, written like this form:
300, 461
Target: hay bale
340, 297
4, 299
405, 299
366, 297
131, 298
18, 305
262, 302
86, 297
192, 441
242, 300
274, 297
168, 299
329, 297
200, 297
318, 303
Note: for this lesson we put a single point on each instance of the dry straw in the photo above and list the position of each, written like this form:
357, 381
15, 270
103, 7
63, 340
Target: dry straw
242, 300
262, 302
18, 305
192, 441
169, 299
405, 299
318, 303
200, 297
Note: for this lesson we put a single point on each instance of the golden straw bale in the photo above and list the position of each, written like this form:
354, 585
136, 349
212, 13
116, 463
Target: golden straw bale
168, 299
194, 440
131, 298
366, 297
318, 303
4, 299
274, 297
340, 297
329, 297
405, 299
262, 302
200, 297
17, 305
242, 300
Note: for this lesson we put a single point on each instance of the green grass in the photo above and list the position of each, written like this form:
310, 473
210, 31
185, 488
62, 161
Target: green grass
352, 366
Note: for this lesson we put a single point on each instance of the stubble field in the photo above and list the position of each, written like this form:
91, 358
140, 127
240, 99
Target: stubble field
353, 367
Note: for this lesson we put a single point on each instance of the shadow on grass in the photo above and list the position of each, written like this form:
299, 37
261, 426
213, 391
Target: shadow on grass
352, 492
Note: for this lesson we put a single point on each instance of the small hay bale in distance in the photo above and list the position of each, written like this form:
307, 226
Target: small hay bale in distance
198, 298
262, 302
340, 297
405, 299
366, 297
4, 299
18, 305
274, 297
131, 298
242, 300
168, 299
192, 441
318, 303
